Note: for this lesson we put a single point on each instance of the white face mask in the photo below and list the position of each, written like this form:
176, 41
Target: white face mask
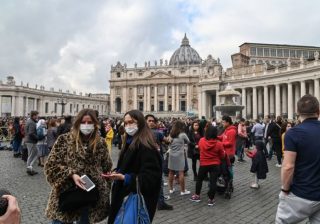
131, 130
86, 129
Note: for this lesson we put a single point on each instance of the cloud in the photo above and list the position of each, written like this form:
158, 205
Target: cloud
72, 44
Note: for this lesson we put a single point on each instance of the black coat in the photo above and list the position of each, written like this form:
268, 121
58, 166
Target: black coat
259, 165
144, 163
192, 151
274, 130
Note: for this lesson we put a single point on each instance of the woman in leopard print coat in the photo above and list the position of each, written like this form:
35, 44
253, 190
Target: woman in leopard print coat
74, 154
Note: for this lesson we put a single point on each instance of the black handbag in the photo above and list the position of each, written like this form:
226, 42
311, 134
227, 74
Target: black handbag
75, 198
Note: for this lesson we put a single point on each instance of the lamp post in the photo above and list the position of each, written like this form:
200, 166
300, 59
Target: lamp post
62, 101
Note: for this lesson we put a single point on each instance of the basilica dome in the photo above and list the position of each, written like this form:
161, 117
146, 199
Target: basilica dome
185, 54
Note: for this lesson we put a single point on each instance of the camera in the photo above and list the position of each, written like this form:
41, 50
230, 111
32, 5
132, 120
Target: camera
3, 201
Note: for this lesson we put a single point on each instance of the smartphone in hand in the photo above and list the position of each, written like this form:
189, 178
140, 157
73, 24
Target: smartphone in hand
89, 185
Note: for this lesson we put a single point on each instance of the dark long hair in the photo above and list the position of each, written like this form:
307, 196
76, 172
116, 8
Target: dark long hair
144, 134
177, 128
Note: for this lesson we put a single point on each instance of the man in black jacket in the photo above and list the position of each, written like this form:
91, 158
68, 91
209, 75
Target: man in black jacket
66, 126
31, 140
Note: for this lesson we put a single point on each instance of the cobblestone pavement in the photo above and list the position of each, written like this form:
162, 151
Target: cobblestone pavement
245, 206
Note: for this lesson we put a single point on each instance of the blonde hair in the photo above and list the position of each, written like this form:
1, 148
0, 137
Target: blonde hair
94, 136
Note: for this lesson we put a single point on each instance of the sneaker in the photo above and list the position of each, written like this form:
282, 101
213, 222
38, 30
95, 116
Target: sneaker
211, 202
165, 206
186, 192
278, 165
167, 197
30, 173
195, 198
172, 191
254, 186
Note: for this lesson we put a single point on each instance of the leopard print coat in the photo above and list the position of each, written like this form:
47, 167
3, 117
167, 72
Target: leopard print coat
63, 162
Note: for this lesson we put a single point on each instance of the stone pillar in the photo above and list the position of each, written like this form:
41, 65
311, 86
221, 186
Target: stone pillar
278, 105
254, 103
265, 101
290, 101
311, 89
135, 98
173, 97
125, 101
112, 98
316, 88
303, 88
249, 105
296, 97
13, 106
155, 98
188, 104
203, 103
165, 98
148, 99
27, 106
178, 98
244, 102
217, 103
145, 98
260, 102
284, 100
272, 105
35, 106
0, 106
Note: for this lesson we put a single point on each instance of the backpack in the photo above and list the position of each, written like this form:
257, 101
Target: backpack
40, 133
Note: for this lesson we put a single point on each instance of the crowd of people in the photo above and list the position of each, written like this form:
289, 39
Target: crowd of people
151, 148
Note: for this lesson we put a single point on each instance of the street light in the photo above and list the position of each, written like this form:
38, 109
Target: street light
62, 101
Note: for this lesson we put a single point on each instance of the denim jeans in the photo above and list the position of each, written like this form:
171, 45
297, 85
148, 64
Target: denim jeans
16, 145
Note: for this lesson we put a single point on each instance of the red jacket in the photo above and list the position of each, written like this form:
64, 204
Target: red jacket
211, 152
228, 139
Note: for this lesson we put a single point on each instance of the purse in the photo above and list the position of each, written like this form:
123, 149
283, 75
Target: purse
133, 209
75, 198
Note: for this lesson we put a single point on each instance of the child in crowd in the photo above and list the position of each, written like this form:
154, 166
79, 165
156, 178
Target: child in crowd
259, 166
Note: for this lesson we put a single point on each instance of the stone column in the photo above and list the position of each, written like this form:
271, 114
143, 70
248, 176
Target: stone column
311, 89
218, 103
112, 98
290, 101
203, 103
145, 98
125, 101
260, 103
278, 105
0, 106
296, 96
303, 88
272, 110
316, 88
165, 98
254, 103
244, 102
27, 106
265, 101
249, 105
156, 98
284, 100
178, 98
35, 106
13, 106
135, 98
188, 98
173, 97
148, 99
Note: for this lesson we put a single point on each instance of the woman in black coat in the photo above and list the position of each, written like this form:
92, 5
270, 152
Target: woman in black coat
193, 150
139, 158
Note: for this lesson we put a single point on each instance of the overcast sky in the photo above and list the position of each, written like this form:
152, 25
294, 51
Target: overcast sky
71, 44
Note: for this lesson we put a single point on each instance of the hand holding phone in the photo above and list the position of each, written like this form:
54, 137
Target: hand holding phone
88, 184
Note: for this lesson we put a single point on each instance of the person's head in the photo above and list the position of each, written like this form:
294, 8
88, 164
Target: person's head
242, 121
257, 121
267, 119
67, 119
177, 128
211, 132
308, 107
195, 126
136, 127
259, 145
279, 119
151, 121
34, 115
52, 123
85, 128
226, 121
16, 120
289, 125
